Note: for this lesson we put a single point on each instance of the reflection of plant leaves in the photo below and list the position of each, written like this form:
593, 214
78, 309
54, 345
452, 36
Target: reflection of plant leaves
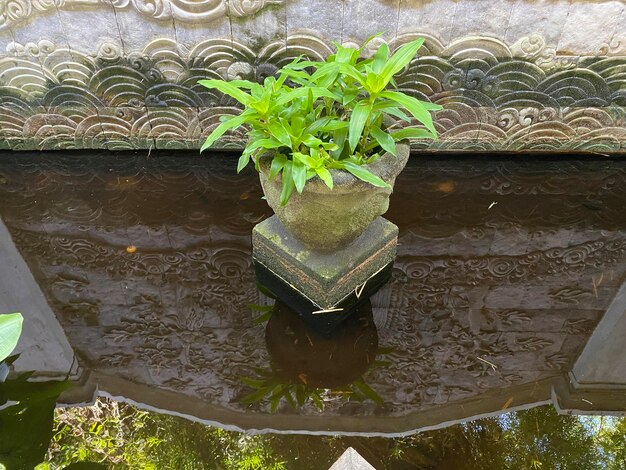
260, 308
254, 383
85, 466
385, 350
367, 391
265, 291
289, 398
300, 395
26, 428
263, 318
277, 394
257, 396
377, 364
317, 399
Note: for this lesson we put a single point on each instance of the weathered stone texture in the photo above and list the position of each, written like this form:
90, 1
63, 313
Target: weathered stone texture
513, 75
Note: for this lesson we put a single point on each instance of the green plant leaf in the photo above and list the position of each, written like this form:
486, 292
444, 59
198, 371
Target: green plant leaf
412, 133
365, 175
281, 134
385, 140
299, 175
235, 121
325, 175
400, 59
413, 106
287, 183
360, 115
278, 163
307, 160
367, 391
228, 89
10, 331
243, 161
380, 58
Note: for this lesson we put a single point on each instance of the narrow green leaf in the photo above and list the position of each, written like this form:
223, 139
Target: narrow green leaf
262, 143
256, 396
367, 391
243, 161
317, 400
380, 58
228, 89
220, 130
400, 59
385, 140
307, 160
326, 124
359, 117
279, 131
413, 106
254, 383
325, 175
412, 133
287, 183
365, 175
300, 394
278, 163
10, 331
299, 175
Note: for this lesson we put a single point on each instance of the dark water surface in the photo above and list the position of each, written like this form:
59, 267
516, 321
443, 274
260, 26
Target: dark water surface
505, 268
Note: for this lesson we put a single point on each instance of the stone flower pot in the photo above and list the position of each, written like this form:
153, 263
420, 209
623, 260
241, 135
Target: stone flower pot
326, 220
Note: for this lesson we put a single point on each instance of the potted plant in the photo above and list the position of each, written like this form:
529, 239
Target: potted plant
321, 134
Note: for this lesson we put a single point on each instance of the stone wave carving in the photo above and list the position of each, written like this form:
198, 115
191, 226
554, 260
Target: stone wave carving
12, 12
494, 99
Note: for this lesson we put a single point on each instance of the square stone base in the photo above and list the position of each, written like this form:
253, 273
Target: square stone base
325, 280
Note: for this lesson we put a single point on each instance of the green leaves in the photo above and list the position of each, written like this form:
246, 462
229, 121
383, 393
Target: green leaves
229, 89
314, 116
365, 175
220, 130
10, 331
417, 109
360, 115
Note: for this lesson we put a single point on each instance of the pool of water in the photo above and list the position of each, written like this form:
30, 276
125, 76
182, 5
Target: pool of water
136, 278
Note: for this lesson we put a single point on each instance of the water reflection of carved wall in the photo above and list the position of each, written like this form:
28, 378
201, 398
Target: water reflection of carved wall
520, 284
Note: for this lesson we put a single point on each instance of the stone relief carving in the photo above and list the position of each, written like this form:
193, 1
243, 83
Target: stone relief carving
13, 12
503, 98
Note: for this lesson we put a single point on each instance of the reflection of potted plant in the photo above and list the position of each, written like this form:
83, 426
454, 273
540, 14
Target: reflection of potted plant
320, 136
307, 367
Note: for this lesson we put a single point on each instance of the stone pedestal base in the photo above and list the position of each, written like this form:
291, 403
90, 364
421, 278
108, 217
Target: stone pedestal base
323, 284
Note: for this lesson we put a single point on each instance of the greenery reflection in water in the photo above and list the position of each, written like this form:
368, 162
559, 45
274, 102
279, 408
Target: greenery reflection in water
121, 436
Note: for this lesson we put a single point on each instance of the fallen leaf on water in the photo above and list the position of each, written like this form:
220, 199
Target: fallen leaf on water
508, 403
131, 249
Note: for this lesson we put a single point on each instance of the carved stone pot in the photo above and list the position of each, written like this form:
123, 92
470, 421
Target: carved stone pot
326, 220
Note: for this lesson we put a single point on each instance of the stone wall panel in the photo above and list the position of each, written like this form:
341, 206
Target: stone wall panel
512, 76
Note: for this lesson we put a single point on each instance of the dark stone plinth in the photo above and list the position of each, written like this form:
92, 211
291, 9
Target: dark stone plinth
310, 281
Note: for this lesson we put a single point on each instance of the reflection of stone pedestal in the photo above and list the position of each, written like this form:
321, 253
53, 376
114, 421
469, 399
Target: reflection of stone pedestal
310, 281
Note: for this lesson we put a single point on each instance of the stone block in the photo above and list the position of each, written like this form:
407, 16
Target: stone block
351, 460
326, 280
363, 18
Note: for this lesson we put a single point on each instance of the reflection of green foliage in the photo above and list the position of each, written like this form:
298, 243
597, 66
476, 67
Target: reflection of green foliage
268, 386
121, 436
513, 441
26, 425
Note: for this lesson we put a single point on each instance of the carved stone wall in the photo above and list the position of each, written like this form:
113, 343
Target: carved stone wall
513, 75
